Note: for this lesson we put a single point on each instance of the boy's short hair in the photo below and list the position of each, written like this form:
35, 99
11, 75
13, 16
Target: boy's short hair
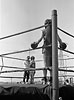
28, 57
47, 21
32, 57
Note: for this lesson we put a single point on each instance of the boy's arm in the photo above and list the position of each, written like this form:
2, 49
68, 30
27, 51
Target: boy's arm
62, 44
59, 39
26, 65
40, 38
35, 44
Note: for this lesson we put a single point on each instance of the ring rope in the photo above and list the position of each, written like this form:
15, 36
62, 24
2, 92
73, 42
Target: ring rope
32, 69
35, 60
66, 70
19, 58
23, 32
67, 51
67, 76
34, 77
66, 59
15, 77
25, 69
67, 67
11, 71
31, 50
14, 58
11, 67
65, 32
24, 50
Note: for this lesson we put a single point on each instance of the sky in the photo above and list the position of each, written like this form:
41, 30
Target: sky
20, 15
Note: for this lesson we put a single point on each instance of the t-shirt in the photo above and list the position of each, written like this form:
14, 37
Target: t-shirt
27, 64
32, 64
47, 36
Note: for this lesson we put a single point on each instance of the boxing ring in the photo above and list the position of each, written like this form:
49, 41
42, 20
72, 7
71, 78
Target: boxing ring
41, 90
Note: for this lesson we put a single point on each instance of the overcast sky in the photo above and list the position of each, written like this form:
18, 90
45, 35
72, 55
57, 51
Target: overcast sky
20, 15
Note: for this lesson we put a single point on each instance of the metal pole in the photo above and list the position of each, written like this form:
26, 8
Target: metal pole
2, 63
29, 51
55, 88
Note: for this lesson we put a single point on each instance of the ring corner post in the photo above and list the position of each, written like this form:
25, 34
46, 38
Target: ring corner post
55, 87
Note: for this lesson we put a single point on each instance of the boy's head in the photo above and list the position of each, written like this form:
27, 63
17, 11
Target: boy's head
32, 58
28, 57
47, 21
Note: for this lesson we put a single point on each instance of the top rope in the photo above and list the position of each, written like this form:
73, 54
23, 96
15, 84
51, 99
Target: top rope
65, 32
23, 32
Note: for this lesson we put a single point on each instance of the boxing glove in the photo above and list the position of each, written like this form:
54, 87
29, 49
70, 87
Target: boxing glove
34, 45
63, 46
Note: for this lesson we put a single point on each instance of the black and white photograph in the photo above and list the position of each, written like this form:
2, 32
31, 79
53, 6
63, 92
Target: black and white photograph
36, 49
